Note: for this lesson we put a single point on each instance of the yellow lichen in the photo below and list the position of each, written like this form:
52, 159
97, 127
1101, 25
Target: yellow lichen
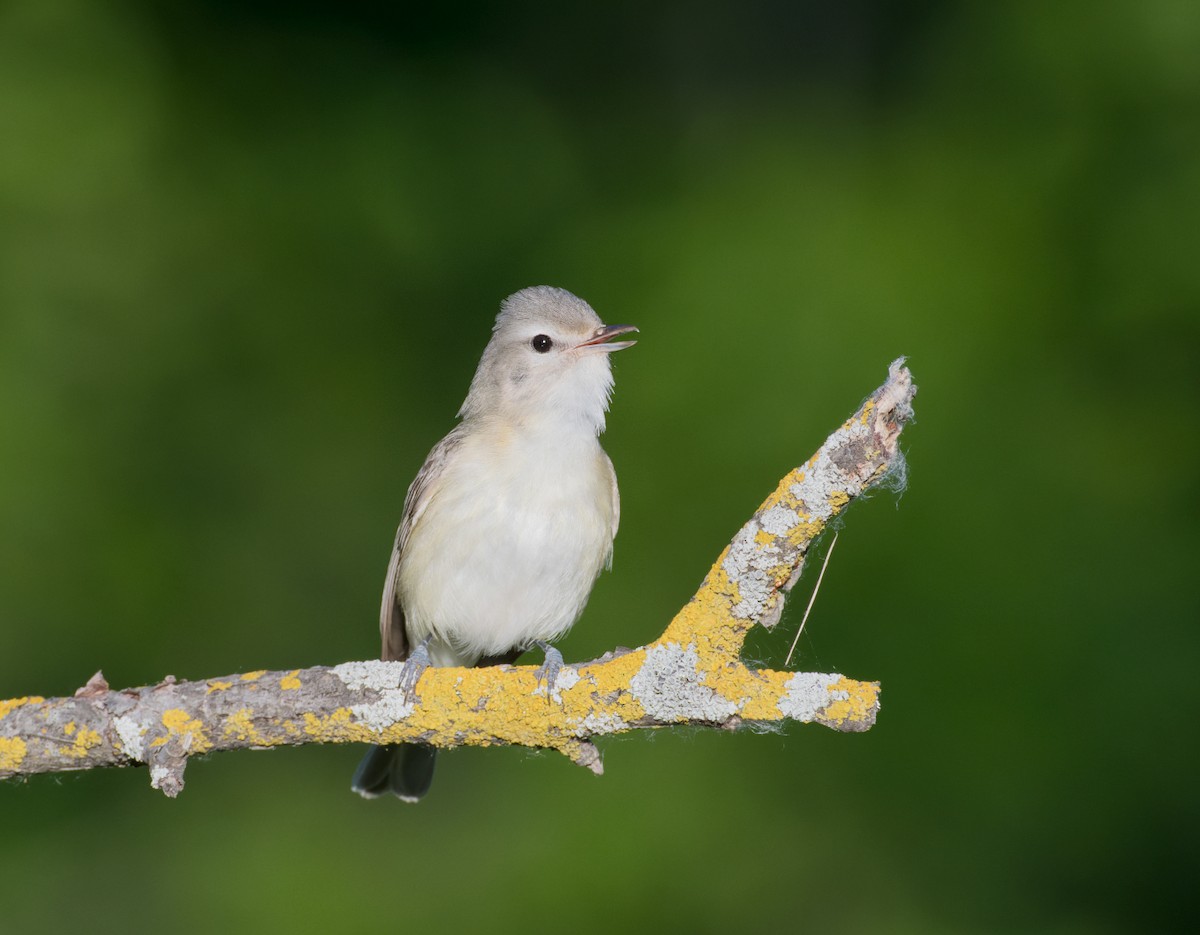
760, 694
335, 727
13, 703
804, 532
180, 724
240, 726
219, 686
84, 741
254, 676
12, 753
861, 698
290, 682
288, 726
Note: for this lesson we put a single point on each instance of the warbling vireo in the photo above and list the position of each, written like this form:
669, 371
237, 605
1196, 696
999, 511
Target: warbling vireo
510, 518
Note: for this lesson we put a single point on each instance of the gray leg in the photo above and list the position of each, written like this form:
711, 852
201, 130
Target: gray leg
414, 667
548, 671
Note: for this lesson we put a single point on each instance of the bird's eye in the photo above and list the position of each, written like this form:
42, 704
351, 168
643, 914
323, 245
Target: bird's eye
541, 343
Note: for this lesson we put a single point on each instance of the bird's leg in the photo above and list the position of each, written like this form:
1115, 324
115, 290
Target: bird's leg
548, 671
414, 667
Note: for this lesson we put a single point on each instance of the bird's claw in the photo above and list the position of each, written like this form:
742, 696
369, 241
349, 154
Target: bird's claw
414, 667
548, 671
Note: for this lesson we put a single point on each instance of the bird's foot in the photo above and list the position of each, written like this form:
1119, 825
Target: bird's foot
414, 667
549, 670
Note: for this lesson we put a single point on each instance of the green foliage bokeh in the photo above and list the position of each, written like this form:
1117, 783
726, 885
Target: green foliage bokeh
249, 254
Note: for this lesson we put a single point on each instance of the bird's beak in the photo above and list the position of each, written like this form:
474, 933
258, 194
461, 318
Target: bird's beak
601, 339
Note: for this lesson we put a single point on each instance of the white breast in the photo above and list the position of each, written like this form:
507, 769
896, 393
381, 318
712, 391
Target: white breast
509, 546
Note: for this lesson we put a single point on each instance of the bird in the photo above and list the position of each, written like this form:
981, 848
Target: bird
510, 519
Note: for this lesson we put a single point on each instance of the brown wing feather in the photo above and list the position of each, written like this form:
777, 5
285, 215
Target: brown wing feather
616, 507
616, 495
422, 490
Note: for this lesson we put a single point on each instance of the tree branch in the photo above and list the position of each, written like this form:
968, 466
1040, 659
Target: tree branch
692, 674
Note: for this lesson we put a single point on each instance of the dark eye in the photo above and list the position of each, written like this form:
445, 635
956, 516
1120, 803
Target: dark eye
541, 343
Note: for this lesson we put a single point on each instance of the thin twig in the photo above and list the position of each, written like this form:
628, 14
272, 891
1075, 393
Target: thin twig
812, 600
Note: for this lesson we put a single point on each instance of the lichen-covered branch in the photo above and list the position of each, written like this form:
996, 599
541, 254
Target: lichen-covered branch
692, 674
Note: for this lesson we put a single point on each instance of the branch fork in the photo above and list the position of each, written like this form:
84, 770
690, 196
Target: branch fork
692, 674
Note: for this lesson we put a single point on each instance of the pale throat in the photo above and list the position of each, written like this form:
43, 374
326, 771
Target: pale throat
566, 409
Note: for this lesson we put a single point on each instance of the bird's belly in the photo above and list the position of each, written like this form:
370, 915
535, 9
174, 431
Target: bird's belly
496, 568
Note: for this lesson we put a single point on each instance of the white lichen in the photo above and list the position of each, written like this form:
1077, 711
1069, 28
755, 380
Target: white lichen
779, 520
159, 775
808, 694
670, 687
567, 677
822, 479
747, 564
378, 716
373, 673
602, 723
130, 734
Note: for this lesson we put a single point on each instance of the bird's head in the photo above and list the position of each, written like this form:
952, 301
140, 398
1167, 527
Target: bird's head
547, 362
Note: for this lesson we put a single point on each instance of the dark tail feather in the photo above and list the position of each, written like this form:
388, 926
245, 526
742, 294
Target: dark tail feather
403, 769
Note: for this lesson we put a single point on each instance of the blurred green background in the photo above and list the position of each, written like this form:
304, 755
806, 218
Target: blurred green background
249, 255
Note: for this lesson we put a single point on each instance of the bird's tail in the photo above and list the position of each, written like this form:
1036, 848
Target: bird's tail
403, 769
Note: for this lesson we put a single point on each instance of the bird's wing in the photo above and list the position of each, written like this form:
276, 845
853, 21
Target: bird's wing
420, 493
616, 504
